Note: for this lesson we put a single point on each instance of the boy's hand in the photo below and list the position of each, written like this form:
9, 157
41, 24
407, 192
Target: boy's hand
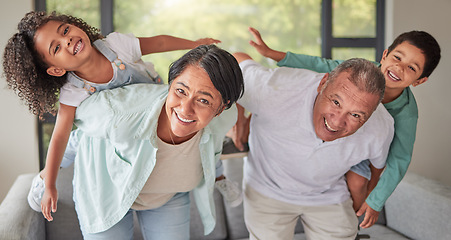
371, 215
48, 202
206, 41
262, 48
258, 44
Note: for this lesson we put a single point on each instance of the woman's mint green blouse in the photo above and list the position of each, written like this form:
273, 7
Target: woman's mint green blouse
404, 111
117, 150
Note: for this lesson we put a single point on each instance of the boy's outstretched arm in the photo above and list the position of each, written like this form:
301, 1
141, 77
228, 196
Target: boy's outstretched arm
262, 48
294, 60
166, 43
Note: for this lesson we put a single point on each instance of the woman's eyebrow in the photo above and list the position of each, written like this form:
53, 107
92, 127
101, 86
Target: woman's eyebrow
201, 92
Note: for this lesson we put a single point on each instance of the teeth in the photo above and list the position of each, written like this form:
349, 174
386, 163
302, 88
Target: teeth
183, 120
393, 76
328, 127
77, 47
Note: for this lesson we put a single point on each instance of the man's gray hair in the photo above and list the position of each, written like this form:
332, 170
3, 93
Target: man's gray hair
363, 74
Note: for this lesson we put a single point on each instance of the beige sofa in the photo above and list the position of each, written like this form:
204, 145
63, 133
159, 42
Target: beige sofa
419, 209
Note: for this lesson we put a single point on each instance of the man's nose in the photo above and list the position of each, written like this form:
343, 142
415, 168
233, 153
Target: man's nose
339, 120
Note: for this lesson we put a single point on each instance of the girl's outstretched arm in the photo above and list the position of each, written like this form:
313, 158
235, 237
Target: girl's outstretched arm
166, 43
55, 153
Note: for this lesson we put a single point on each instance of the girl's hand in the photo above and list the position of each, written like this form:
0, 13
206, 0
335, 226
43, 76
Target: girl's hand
206, 41
48, 202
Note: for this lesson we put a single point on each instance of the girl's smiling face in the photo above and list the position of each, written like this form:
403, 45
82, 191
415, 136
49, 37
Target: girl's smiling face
64, 47
192, 103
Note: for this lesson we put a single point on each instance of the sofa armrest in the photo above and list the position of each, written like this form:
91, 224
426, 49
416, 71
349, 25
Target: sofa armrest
17, 219
420, 208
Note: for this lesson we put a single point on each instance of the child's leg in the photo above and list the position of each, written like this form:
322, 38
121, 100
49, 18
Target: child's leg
357, 179
229, 190
357, 187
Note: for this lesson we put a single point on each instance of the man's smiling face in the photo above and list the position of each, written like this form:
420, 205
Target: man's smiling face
340, 108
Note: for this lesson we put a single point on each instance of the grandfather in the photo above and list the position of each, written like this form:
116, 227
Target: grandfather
306, 131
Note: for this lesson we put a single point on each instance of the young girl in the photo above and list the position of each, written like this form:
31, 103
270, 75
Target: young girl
60, 57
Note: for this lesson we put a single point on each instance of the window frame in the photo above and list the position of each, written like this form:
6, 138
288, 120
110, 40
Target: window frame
329, 42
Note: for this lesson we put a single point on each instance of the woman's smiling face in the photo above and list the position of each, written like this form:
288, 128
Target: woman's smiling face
192, 103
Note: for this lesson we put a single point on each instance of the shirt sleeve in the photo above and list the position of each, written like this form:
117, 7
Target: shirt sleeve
72, 96
398, 160
314, 63
253, 75
126, 46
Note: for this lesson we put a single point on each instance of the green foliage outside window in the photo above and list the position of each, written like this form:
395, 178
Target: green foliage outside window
286, 25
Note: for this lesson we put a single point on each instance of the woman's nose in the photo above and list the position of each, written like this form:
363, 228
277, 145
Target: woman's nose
186, 107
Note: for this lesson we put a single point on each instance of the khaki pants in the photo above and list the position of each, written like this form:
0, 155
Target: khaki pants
267, 218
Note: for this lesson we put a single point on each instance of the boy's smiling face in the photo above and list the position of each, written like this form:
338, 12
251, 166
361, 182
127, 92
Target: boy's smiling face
403, 66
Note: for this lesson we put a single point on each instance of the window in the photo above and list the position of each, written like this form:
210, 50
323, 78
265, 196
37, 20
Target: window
313, 27
353, 29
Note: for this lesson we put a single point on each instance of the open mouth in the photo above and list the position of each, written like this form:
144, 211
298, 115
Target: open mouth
183, 119
330, 129
78, 47
393, 76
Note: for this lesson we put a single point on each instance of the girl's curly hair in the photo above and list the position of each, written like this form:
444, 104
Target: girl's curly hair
25, 70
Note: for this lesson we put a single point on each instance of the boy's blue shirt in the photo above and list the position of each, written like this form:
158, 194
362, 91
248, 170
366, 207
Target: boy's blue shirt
404, 111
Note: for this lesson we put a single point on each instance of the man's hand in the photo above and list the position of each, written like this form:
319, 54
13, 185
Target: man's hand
48, 202
371, 215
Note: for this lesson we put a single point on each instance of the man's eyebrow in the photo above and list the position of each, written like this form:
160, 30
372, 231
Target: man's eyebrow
364, 114
202, 92
57, 31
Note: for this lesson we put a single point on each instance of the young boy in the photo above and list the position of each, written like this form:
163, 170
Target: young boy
409, 60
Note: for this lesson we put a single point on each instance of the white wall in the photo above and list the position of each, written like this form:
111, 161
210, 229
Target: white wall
18, 131
432, 151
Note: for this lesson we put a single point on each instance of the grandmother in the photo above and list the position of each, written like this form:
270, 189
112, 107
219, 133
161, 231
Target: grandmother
143, 147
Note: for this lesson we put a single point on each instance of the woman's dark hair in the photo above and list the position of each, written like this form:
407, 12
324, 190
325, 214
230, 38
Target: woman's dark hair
426, 43
221, 67
25, 70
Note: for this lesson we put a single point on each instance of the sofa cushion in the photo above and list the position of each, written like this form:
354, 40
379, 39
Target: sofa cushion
420, 208
65, 223
19, 223
381, 232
